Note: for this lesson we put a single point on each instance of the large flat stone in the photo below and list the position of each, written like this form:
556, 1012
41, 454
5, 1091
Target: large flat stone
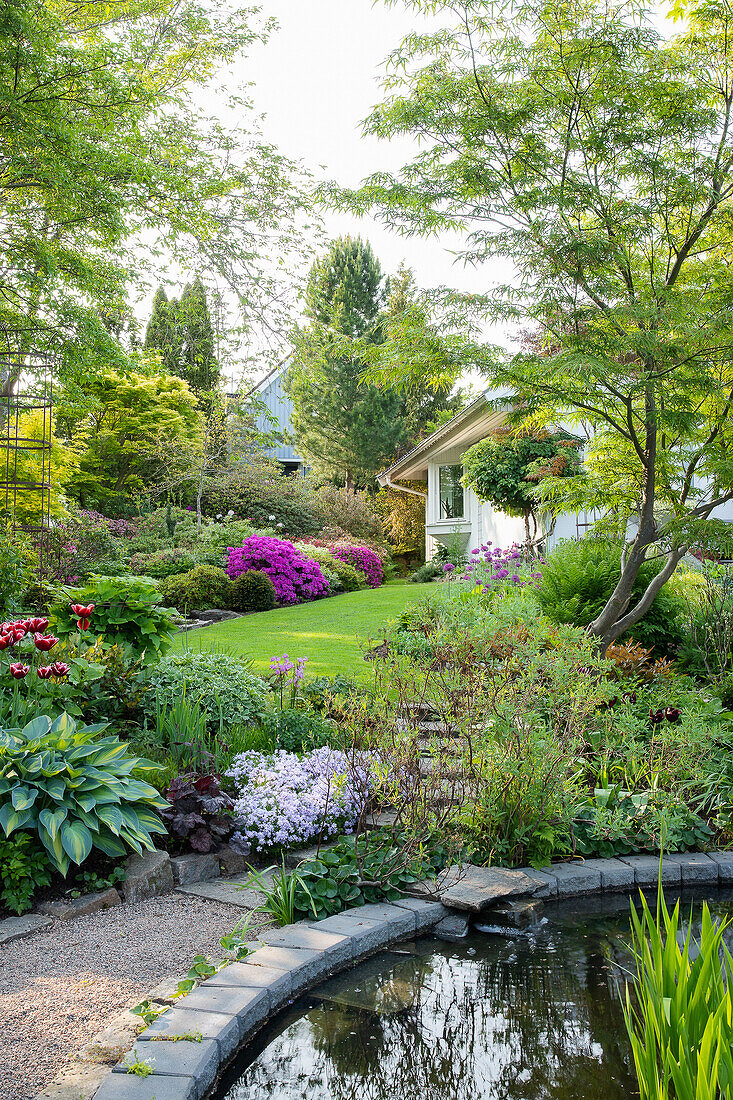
232, 891
615, 875
194, 867
427, 913
453, 927
231, 862
576, 878
473, 889
226, 1030
401, 921
304, 965
278, 983
724, 861
148, 876
368, 935
118, 1036
182, 1059
15, 928
544, 880
646, 871
69, 908
339, 949
695, 867
249, 1006
126, 1086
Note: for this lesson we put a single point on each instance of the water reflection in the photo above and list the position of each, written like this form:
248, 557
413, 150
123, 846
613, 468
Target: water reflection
533, 1017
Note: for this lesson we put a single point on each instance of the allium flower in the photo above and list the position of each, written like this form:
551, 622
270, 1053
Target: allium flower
44, 642
18, 671
448, 567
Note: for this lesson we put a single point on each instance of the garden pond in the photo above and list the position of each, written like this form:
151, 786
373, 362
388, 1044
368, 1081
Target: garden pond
505, 1014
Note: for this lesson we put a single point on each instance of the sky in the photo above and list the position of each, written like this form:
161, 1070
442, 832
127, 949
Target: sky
315, 80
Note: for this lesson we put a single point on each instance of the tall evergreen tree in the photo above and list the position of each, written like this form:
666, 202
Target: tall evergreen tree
198, 360
343, 425
181, 330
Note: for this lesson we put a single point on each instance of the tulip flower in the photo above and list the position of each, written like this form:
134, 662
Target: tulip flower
38, 625
44, 642
18, 633
18, 671
81, 610
60, 668
83, 624
44, 671
6, 640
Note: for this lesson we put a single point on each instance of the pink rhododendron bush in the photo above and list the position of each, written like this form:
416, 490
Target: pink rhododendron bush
296, 577
363, 559
286, 799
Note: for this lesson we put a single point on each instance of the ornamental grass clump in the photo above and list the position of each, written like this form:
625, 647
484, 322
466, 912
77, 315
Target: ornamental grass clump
283, 799
295, 577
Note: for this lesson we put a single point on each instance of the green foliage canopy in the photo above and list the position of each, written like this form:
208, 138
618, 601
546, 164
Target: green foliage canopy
597, 156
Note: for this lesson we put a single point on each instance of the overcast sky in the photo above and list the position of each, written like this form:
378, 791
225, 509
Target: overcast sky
315, 80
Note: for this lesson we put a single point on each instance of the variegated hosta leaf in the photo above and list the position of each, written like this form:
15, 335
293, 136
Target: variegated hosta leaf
76, 840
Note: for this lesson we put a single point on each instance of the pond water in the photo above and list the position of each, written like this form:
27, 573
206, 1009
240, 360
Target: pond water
533, 1014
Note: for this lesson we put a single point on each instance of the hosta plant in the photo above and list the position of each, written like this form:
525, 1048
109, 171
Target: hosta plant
76, 790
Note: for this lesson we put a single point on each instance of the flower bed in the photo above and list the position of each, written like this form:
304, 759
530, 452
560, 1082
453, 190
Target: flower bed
283, 799
363, 559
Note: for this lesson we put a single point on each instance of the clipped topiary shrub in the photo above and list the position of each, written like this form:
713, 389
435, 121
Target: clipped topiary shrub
252, 591
203, 587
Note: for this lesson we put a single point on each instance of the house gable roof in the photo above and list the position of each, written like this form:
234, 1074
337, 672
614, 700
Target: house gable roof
451, 440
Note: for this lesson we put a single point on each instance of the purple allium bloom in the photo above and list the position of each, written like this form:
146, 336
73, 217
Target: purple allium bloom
477, 550
448, 567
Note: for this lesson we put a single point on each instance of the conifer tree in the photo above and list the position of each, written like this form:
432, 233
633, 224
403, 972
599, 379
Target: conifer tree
345, 427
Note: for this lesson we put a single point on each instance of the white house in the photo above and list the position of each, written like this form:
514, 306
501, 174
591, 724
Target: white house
271, 391
451, 510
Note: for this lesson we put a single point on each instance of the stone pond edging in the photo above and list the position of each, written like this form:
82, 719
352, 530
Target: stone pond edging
228, 1008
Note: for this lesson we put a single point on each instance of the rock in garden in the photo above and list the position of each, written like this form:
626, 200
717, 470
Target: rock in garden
194, 867
148, 876
474, 889
452, 927
68, 908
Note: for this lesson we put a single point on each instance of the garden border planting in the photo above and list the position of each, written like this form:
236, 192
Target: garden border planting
185, 1049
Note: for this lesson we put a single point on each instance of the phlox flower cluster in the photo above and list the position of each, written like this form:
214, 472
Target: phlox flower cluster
499, 567
286, 799
363, 558
295, 577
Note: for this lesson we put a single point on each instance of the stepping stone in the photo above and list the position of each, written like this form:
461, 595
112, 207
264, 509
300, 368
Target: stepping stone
473, 889
15, 928
453, 927
238, 891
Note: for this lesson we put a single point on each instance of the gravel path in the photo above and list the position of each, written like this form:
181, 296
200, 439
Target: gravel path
58, 988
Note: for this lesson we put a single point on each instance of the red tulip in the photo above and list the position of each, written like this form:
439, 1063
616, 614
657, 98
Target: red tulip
6, 640
44, 642
18, 671
18, 633
44, 671
83, 611
38, 625
60, 668
83, 624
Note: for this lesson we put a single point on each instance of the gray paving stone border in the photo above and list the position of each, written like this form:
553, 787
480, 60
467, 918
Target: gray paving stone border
187, 1047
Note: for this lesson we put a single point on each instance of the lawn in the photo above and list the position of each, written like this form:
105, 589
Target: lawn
330, 633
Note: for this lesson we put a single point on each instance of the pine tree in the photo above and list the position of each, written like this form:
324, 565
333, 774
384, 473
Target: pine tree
342, 425
181, 330
198, 361
163, 332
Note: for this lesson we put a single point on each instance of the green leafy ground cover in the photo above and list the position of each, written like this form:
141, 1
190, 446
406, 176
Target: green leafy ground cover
330, 633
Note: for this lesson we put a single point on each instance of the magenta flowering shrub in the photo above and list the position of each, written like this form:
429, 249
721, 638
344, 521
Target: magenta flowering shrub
284, 799
295, 577
364, 559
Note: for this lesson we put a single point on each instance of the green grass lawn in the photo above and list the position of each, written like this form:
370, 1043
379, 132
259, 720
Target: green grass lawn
328, 632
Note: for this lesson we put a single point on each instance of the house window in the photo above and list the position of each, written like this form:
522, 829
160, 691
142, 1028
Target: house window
451, 492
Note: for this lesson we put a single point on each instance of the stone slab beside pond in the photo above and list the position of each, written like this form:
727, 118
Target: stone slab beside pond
474, 889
